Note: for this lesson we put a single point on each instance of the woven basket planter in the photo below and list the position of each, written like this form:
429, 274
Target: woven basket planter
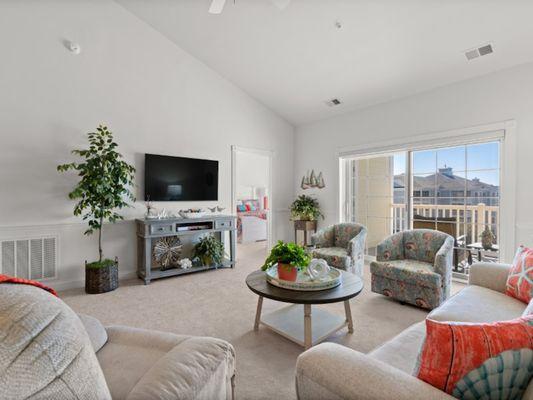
101, 280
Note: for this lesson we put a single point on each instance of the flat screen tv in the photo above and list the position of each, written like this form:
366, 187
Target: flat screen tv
180, 179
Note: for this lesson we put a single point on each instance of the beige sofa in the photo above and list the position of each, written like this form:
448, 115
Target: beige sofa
330, 371
47, 351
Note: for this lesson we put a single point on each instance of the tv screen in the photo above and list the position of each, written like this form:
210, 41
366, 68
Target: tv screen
179, 179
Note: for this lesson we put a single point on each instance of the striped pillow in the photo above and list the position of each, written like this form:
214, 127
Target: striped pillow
478, 361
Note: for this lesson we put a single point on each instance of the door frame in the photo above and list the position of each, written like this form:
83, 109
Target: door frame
266, 153
504, 131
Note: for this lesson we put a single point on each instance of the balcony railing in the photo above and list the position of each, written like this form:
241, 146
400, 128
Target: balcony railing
470, 220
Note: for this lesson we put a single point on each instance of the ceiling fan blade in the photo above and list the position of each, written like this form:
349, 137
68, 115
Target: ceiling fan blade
281, 4
217, 6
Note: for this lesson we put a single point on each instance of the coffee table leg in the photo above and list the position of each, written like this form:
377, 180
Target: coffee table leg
258, 313
308, 334
348, 312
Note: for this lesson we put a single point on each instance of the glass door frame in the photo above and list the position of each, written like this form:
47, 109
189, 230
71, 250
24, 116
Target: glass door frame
503, 132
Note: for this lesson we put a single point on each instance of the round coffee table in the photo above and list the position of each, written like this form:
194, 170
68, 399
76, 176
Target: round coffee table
287, 321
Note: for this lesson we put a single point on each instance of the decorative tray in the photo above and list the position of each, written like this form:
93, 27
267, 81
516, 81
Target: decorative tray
304, 282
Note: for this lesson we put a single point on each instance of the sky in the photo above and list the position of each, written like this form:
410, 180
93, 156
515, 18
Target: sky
470, 161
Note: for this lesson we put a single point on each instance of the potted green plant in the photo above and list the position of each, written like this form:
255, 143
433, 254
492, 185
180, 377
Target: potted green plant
305, 208
289, 258
209, 250
487, 238
104, 187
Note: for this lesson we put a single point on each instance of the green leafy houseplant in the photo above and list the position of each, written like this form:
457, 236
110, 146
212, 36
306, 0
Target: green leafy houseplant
104, 186
209, 250
287, 254
306, 208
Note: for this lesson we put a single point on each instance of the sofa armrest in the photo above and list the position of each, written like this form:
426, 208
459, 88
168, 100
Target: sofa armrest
324, 237
331, 371
199, 368
489, 275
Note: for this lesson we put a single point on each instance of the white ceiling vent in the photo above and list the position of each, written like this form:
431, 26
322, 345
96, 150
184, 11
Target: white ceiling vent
333, 102
478, 52
33, 258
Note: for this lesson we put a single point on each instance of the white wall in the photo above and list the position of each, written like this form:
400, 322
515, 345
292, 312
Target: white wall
155, 98
505, 95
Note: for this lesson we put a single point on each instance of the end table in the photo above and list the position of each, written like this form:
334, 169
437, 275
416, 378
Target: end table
305, 226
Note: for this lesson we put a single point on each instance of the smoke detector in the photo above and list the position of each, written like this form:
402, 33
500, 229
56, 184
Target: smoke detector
333, 102
478, 52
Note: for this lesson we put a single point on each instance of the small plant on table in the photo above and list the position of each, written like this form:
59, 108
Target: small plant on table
289, 258
209, 250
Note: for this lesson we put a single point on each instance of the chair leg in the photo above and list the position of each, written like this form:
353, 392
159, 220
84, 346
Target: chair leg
233, 388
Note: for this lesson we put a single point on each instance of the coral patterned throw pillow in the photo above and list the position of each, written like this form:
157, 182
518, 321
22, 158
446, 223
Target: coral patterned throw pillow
478, 361
520, 279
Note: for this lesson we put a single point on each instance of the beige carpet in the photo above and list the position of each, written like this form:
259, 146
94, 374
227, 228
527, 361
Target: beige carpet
218, 303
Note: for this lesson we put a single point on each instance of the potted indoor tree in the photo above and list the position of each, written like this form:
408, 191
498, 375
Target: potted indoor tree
289, 258
103, 188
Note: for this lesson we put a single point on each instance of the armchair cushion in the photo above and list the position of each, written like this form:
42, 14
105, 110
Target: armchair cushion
335, 256
495, 306
423, 244
489, 275
415, 272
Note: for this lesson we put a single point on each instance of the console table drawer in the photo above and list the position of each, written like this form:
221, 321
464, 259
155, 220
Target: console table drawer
224, 224
161, 229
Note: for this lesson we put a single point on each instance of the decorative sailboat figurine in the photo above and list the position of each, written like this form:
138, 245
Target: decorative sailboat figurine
320, 181
312, 179
305, 182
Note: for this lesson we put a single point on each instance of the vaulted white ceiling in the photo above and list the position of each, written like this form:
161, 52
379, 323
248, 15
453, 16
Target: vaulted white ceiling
295, 59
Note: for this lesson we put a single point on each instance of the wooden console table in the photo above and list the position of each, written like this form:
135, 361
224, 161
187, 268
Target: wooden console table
306, 226
149, 230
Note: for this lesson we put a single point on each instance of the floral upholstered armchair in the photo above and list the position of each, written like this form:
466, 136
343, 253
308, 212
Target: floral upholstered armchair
342, 246
414, 267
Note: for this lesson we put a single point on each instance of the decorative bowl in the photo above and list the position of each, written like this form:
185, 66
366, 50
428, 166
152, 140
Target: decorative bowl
304, 282
192, 214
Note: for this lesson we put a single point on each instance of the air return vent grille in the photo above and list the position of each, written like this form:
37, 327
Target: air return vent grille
34, 258
478, 52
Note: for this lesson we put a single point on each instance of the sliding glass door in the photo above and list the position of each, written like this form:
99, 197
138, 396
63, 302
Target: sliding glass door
377, 195
455, 190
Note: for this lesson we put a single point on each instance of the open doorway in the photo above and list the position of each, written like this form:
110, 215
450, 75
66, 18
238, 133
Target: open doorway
251, 198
